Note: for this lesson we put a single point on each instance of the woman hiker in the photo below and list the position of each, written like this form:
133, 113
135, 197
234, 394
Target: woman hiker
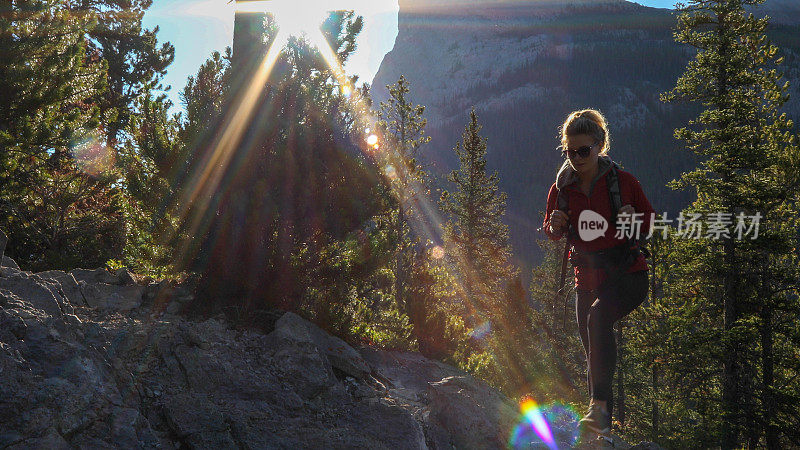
610, 272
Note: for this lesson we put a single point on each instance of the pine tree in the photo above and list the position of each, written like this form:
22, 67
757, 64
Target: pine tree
204, 98
476, 229
46, 74
750, 168
671, 353
476, 239
58, 200
402, 127
148, 161
134, 59
438, 327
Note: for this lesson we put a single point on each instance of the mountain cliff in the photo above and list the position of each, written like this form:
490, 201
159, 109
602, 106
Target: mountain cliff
525, 65
779, 11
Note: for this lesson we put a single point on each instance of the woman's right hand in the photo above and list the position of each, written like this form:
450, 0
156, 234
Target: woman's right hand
558, 221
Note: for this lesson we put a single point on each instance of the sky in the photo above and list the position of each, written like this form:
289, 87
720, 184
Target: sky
199, 27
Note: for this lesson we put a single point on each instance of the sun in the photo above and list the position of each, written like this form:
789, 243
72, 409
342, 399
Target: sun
294, 18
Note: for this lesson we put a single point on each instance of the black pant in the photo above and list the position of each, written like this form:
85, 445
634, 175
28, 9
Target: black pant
597, 310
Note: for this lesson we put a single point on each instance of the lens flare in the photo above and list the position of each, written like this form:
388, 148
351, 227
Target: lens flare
534, 416
292, 20
546, 425
347, 90
390, 172
482, 330
93, 156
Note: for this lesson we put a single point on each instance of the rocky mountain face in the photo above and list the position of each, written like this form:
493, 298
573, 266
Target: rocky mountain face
525, 65
91, 359
779, 11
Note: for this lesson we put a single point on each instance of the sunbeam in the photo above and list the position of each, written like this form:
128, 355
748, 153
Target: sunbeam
426, 221
205, 182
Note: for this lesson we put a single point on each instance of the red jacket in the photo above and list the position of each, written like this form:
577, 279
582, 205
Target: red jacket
598, 201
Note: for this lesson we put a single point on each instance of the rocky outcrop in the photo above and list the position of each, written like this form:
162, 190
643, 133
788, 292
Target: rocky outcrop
119, 370
8, 262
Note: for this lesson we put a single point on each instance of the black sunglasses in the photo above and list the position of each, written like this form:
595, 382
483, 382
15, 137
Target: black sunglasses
583, 151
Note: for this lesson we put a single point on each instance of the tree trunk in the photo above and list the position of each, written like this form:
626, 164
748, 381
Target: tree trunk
399, 274
399, 279
767, 361
753, 431
730, 386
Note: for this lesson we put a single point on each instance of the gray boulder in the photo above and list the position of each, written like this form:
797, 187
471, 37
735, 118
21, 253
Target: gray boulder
112, 297
197, 421
69, 286
465, 413
9, 263
396, 428
32, 290
340, 355
49, 440
406, 372
298, 358
125, 277
92, 276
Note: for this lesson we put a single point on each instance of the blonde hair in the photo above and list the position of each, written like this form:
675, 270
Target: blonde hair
586, 121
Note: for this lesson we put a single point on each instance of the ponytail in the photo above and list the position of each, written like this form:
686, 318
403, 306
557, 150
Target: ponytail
587, 121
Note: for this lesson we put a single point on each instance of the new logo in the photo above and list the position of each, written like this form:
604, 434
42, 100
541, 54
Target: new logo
591, 225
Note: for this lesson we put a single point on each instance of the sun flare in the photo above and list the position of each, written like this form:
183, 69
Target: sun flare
292, 18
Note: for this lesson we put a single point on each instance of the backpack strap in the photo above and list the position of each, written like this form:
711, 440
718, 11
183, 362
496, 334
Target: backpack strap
563, 203
615, 200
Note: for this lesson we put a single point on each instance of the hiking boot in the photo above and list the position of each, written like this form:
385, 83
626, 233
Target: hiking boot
596, 420
604, 441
